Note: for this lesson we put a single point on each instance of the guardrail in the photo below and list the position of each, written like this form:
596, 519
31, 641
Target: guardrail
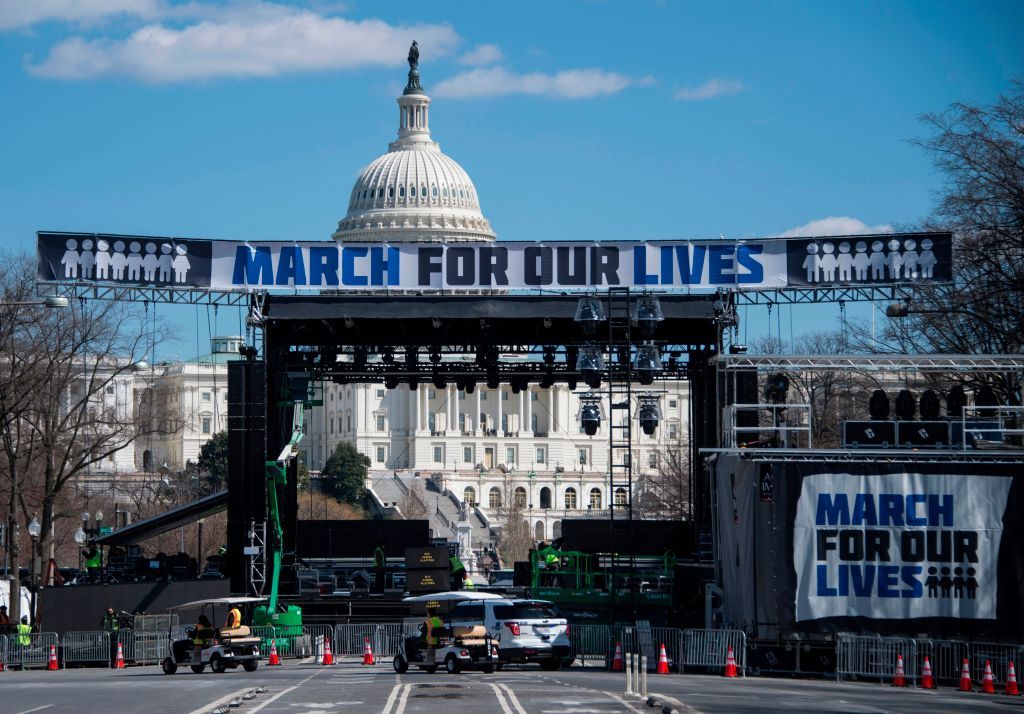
143, 647
385, 640
31, 650
3, 650
591, 642
87, 648
647, 641
709, 649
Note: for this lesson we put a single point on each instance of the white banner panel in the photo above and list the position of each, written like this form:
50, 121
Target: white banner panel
898, 546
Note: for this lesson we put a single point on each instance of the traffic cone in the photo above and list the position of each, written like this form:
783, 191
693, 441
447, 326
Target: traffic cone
274, 659
119, 660
617, 663
927, 681
663, 660
988, 684
52, 663
367, 652
1011, 680
730, 664
898, 680
328, 657
965, 677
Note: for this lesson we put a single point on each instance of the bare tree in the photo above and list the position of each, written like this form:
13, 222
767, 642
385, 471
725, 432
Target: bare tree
515, 537
665, 492
979, 150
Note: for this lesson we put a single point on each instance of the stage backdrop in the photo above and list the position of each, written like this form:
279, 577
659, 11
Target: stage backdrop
657, 265
875, 547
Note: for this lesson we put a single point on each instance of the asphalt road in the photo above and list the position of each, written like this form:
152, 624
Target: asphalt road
349, 687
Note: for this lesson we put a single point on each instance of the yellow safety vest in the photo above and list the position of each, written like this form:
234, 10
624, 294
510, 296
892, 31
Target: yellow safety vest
24, 634
436, 623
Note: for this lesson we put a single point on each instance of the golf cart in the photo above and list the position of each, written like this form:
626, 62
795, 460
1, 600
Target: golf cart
221, 648
458, 649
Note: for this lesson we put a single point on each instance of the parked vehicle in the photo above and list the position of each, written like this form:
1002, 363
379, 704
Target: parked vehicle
460, 647
220, 648
525, 630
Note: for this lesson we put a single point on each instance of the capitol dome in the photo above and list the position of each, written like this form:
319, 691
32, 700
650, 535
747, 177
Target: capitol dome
414, 192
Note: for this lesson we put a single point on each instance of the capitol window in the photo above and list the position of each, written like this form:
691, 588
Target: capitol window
444, 191
391, 191
595, 498
401, 191
570, 498
620, 497
469, 496
423, 191
519, 497
494, 497
433, 191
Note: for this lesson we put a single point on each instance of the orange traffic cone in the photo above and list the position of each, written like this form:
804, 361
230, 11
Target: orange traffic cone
927, 681
367, 652
663, 660
328, 657
1011, 680
274, 659
617, 663
965, 677
119, 660
730, 664
52, 662
898, 680
988, 684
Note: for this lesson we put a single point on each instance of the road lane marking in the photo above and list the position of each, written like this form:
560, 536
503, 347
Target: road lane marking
214, 704
29, 711
513, 700
284, 691
403, 700
501, 699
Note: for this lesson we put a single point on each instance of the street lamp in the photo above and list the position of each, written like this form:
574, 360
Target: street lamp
34, 529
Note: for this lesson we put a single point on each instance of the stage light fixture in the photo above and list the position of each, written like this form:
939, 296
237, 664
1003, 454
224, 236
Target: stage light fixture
439, 382
358, 357
435, 356
906, 405
956, 400
519, 384
571, 383
589, 313
929, 405
387, 355
390, 381
647, 363
414, 383
590, 363
590, 415
878, 405
547, 381
549, 354
649, 415
985, 397
646, 314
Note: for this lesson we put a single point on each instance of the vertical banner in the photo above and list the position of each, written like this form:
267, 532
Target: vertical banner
898, 545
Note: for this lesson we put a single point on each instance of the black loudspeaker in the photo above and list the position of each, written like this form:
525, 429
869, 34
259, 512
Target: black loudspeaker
521, 573
247, 448
929, 405
906, 405
923, 434
869, 434
743, 390
956, 400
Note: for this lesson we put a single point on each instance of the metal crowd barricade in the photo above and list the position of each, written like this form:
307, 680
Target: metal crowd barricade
945, 657
389, 640
998, 655
349, 639
267, 635
709, 649
85, 647
647, 641
3, 650
157, 623
591, 642
873, 657
141, 647
33, 653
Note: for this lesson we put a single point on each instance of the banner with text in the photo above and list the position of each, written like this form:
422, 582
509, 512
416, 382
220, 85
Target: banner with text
770, 263
898, 546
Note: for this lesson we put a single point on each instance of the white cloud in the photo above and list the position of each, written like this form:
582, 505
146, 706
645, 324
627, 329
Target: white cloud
710, 89
25, 13
247, 40
481, 55
834, 226
567, 84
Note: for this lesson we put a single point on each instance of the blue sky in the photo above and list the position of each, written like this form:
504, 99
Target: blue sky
603, 120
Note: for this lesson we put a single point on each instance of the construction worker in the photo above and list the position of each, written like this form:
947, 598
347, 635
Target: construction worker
434, 625
380, 561
24, 632
204, 631
5, 620
234, 620
111, 626
93, 561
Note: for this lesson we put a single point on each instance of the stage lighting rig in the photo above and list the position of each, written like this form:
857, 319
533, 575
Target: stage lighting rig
590, 414
956, 400
878, 405
929, 405
646, 314
906, 405
387, 355
589, 313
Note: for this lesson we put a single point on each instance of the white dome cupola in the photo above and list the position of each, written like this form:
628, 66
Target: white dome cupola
414, 192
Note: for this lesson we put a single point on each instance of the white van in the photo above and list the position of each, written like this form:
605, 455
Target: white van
525, 630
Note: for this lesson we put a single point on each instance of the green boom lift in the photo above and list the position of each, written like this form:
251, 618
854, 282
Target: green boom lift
286, 619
